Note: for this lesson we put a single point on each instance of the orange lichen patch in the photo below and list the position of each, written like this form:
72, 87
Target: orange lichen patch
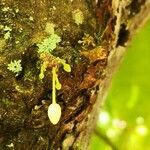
50, 59
88, 81
95, 54
89, 78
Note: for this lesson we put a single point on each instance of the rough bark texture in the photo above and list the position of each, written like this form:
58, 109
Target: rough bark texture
94, 37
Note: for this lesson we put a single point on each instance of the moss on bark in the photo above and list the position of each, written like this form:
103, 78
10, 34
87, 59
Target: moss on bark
86, 45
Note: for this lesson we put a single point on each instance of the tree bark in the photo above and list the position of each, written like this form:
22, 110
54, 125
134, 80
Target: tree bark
94, 36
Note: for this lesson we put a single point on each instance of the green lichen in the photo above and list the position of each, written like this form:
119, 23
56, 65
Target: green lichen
6, 102
50, 28
49, 44
2, 43
15, 66
7, 32
7, 35
7, 28
78, 16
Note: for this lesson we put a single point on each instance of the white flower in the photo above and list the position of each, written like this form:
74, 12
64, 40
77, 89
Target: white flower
54, 113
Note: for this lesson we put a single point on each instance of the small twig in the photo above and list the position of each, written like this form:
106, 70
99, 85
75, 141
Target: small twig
105, 139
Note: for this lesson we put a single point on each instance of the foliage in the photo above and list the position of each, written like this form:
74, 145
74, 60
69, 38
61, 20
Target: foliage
125, 118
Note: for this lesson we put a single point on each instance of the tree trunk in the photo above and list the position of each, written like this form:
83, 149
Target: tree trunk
91, 36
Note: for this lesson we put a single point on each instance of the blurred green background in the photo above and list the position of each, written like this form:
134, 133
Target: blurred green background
124, 121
